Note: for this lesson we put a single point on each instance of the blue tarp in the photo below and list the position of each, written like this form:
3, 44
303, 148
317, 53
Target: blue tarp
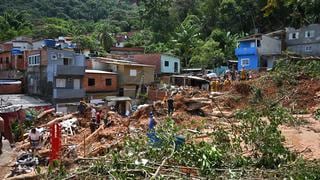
220, 71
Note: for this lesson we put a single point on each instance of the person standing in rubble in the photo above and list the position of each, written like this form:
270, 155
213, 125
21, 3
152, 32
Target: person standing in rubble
106, 121
93, 120
243, 74
226, 84
1, 133
98, 118
170, 106
82, 108
34, 139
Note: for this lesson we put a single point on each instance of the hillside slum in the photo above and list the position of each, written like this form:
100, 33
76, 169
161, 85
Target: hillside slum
197, 111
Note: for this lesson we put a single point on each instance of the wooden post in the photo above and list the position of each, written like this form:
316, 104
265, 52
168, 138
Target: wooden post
84, 146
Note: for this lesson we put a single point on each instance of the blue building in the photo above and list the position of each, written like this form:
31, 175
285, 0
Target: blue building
257, 51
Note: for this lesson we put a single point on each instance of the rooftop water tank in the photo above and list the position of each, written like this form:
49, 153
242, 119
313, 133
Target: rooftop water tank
49, 42
16, 51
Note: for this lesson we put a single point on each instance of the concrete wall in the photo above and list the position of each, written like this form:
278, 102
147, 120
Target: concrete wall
100, 82
170, 68
301, 49
22, 46
301, 43
77, 60
269, 46
145, 71
37, 45
96, 65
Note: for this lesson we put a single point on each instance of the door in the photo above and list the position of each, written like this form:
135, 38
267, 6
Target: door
76, 84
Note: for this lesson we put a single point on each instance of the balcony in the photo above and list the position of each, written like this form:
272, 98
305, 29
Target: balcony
246, 51
68, 70
68, 93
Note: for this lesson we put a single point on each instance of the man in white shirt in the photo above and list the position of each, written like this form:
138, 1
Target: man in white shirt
34, 138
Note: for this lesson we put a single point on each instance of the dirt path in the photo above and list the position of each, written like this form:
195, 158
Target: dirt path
304, 139
8, 156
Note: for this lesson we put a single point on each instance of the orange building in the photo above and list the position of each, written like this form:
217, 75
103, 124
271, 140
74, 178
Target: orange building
99, 84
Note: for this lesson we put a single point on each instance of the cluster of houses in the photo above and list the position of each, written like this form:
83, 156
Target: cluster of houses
262, 50
57, 71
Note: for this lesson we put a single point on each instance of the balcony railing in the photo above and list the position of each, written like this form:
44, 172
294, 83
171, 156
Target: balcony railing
68, 93
68, 70
246, 51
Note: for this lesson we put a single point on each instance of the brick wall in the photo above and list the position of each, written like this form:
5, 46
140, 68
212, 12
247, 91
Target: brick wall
100, 82
10, 89
155, 94
5, 60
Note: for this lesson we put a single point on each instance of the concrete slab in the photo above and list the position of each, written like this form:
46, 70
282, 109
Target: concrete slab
9, 102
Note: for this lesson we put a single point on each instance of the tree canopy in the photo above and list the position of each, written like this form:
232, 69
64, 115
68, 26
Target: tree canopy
184, 28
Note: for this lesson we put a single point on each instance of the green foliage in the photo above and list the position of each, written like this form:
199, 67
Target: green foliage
259, 130
203, 155
86, 42
56, 171
14, 23
106, 40
317, 114
156, 15
208, 55
288, 72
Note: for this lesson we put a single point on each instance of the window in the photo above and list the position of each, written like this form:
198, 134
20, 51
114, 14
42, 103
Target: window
1, 60
60, 83
60, 55
20, 56
166, 63
176, 66
108, 82
7, 60
34, 60
308, 48
294, 35
67, 61
245, 62
76, 84
309, 34
133, 72
91, 82
54, 57
252, 44
258, 43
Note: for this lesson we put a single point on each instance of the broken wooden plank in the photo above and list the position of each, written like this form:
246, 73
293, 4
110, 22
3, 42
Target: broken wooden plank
89, 140
59, 119
45, 113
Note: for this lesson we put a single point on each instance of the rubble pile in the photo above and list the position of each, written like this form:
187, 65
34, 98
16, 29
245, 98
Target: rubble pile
192, 108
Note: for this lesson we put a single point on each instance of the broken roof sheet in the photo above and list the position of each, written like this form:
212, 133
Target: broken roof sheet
120, 62
190, 77
99, 72
115, 98
13, 102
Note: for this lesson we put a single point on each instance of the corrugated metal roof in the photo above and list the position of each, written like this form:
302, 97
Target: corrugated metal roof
120, 62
